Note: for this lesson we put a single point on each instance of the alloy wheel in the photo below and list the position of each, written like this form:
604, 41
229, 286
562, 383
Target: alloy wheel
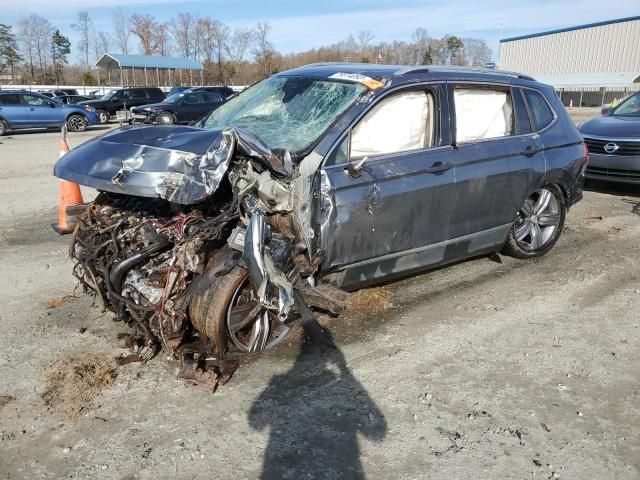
76, 124
537, 221
251, 327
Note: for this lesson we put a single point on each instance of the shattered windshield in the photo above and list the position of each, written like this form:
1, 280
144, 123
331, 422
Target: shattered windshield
287, 112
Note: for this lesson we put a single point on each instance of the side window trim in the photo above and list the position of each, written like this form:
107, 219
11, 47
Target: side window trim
519, 104
434, 88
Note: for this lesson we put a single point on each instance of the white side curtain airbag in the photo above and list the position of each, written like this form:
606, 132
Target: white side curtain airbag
395, 125
482, 114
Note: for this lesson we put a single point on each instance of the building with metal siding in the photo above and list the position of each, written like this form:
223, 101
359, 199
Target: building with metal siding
601, 57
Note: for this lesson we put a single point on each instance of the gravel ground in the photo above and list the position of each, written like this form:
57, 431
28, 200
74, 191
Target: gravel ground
519, 369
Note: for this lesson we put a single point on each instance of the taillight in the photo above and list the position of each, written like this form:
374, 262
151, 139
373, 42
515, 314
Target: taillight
585, 154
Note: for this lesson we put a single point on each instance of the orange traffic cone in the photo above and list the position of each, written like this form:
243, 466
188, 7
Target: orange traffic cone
571, 104
70, 194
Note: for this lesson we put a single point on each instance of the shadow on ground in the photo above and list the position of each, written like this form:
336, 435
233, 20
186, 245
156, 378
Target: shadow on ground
315, 412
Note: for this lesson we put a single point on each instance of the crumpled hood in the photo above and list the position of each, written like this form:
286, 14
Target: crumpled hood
177, 163
612, 126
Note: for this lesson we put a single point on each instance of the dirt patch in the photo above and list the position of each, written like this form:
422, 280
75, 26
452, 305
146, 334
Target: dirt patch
5, 400
57, 302
72, 383
369, 300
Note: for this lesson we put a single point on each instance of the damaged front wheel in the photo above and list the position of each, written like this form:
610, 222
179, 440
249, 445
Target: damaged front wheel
228, 312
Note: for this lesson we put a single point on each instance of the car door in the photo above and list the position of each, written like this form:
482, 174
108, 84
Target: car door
190, 105
387, 189
495, 159
42, 111
13, 110
210, 101
137, 97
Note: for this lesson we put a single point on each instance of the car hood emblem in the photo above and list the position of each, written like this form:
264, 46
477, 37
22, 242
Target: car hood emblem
611, 147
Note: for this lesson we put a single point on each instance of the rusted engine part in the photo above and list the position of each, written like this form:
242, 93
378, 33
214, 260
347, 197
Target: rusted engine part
140, 256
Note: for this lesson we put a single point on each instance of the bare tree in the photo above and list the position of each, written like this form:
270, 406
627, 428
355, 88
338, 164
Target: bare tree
122, 29
239, 44
84, 27
35, 34
101, 43
27, 44
163, 39
364, 39
476, 52
263, 48
145, 28
421, 46
183, 27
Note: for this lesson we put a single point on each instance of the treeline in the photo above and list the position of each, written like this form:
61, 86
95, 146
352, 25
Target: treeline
35, 51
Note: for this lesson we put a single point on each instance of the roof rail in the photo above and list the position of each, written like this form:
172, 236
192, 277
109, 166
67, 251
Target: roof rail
443, 68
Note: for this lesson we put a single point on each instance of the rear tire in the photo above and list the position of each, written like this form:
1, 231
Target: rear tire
3, 128
538, 224
77, 123
166, 118
103, 117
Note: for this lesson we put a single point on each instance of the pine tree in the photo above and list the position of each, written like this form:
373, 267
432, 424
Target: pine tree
9, 56
60, 49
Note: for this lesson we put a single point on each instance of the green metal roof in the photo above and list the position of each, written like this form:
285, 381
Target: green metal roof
119, 60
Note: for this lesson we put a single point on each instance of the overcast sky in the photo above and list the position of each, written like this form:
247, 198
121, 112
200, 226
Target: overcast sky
300, 25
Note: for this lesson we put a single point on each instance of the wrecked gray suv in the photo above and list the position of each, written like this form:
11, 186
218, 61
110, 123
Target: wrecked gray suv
313, 182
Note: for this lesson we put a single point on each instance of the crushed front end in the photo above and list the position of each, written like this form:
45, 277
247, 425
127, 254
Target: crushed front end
192, 240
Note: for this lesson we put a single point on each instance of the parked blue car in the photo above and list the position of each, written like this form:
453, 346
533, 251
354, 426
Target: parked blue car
21, 109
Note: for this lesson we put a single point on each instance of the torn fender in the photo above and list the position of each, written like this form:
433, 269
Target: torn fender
180, 164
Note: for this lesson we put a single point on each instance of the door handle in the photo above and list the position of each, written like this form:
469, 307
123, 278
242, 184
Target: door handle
32, 109
530, 150
438, 167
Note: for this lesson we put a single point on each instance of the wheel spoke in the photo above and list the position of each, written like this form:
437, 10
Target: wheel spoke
543, 201
522, 231
527, 208
241, 315
259, 333
536, 236
549, 219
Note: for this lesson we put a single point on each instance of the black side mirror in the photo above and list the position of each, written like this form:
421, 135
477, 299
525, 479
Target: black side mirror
606, 110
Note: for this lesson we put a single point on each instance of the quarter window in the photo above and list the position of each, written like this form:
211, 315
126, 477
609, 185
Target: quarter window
138, 94
483, 113
541, 114
399, 123
9, 100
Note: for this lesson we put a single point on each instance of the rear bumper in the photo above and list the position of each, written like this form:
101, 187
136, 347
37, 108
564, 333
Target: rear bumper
614, 168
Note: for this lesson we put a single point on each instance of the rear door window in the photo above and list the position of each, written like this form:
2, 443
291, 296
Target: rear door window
399, 123
35, 100
541, 113
9, 99
138, 94
211, 97
483, 113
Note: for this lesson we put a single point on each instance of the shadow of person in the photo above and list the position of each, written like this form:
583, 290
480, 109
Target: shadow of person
315, 412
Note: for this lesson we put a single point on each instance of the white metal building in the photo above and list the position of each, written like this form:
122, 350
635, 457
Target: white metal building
599, 60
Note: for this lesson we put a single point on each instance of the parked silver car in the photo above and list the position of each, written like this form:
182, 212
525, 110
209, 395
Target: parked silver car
314, 181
